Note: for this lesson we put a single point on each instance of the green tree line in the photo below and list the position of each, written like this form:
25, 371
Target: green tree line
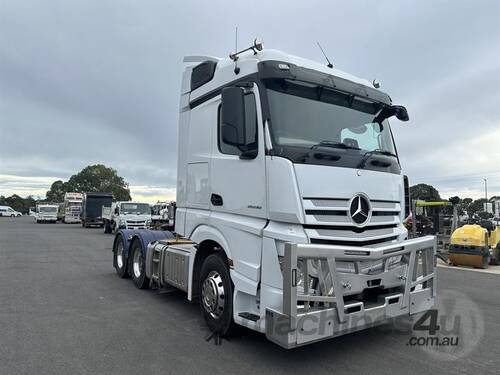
471, 206
93, 178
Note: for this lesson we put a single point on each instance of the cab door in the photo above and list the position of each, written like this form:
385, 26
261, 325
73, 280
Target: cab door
238, 182
238, 192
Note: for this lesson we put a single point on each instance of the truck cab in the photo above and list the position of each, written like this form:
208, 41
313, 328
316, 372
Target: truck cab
290, 202
46, 213
126, 215
72, 207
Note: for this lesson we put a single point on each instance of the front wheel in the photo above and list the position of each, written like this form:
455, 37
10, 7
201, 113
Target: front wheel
138, 266
107, 227
216, 295
119, 260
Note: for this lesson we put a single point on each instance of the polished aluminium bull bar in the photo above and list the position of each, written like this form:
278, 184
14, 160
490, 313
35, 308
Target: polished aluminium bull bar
306, 309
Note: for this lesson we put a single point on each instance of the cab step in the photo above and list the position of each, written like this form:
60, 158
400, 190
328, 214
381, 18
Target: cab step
249, 316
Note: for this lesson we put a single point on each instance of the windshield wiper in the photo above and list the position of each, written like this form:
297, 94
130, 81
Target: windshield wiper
334, 144
369, 154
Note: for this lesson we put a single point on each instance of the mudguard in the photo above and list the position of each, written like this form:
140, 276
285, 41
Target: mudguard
146, 236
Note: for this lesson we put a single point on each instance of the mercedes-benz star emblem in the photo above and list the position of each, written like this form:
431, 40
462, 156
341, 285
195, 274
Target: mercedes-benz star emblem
360, 210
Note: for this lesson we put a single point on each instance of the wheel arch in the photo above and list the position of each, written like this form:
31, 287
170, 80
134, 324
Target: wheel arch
209, 241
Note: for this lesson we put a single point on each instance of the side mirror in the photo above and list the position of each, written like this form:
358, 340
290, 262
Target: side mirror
233, 127
117, 211
394, 110
401, 113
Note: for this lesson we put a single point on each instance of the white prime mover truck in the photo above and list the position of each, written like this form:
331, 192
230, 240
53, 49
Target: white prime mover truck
290, 203
126, 215
72, 207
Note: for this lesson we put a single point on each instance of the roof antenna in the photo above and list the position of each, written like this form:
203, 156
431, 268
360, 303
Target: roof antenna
330, 65
236, 67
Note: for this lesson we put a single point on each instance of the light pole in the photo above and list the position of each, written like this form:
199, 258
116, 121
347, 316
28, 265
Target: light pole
486, 189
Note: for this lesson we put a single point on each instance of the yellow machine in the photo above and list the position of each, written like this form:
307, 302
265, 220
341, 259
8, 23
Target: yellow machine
475, 245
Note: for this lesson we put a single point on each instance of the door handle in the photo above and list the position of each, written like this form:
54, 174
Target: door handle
216, 200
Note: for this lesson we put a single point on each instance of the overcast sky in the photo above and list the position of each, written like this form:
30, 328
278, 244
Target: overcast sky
84, 82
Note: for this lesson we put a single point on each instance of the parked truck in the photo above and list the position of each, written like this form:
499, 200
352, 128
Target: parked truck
46, 213
72, 207
163, 215
92, 205
126, 215
290, 203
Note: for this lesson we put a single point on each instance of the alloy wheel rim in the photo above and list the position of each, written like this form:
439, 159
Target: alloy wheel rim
119, 255
137, 264
213, 295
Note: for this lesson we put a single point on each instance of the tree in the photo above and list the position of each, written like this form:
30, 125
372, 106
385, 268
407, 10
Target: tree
56, 192
93, 178
484, 215
424, 192
476, 206
18, 203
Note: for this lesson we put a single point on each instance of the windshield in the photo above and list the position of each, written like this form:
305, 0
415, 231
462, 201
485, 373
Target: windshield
135, 208
48, 209
307, 118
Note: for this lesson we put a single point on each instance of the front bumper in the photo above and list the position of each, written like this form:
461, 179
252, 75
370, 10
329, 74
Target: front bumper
134, 225
51, 219
313, 314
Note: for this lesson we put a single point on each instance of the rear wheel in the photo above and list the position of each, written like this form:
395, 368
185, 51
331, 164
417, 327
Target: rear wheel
216, 295
119, 260
138, 266
107, 227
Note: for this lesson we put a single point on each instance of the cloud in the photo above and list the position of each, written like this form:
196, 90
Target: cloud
86, 82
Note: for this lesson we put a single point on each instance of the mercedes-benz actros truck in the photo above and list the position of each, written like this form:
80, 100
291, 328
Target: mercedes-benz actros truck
290, 203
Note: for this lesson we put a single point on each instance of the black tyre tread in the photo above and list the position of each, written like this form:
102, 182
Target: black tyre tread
224, 326
107, 227
121, 272
141, 282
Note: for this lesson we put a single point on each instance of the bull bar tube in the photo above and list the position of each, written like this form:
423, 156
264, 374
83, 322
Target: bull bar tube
310, 315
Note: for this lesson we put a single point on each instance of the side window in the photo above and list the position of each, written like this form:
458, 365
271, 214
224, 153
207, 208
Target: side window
251, 128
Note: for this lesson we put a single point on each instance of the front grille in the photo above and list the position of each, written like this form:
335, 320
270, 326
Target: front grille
327, 221
352, 243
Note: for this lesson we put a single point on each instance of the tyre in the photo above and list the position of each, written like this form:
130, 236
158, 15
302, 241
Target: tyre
216, 295
486, 261
138, 266
12, 215
119, 260
107, 227
83, 223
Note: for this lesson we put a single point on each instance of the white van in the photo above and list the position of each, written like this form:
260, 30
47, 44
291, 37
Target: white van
9, 211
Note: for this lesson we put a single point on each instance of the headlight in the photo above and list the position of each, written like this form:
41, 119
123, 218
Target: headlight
394, 261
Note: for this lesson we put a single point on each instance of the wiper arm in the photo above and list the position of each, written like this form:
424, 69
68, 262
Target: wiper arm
369, 154
334, 144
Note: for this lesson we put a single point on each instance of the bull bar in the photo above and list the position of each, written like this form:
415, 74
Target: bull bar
314, 314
